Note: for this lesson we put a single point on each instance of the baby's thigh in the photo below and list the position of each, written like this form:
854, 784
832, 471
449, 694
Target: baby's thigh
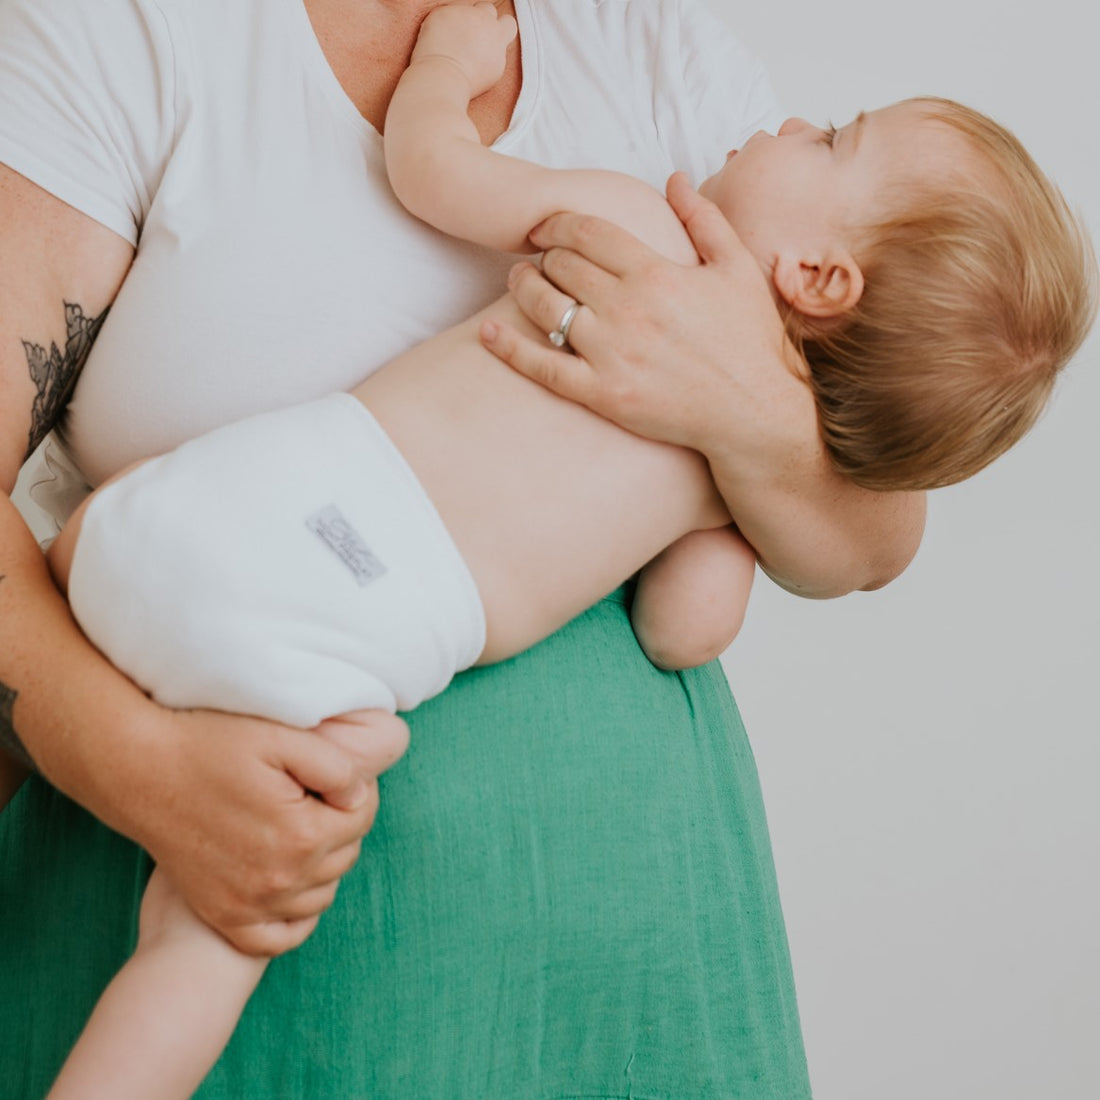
59, 556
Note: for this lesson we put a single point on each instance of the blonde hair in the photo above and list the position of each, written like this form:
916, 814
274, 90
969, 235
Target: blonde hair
975, 297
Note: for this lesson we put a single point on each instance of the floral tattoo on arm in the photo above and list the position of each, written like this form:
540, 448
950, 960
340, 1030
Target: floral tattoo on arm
9, 739
55, 372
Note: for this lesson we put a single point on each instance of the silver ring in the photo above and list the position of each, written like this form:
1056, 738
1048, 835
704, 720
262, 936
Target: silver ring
560, 336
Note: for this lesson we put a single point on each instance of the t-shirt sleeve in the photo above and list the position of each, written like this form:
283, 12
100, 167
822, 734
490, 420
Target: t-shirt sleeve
718, 93
87, 103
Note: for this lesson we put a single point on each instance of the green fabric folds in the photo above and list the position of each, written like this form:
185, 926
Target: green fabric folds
569, 891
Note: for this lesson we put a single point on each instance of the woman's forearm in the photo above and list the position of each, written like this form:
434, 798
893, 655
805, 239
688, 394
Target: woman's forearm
816, 533
54, 681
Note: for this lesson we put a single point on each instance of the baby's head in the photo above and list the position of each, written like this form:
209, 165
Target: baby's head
935, 280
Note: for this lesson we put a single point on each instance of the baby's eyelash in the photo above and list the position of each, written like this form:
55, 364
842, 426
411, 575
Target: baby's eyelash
830, 134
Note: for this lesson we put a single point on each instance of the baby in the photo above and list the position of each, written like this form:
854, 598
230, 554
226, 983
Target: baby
357, 551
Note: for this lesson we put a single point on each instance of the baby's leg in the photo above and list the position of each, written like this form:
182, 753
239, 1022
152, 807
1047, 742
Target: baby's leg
59, 557
167, 1014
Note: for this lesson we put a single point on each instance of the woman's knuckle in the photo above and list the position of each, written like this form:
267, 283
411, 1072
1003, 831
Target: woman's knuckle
505, 346
550, 373
621, 391
369, 811
344, 861
277, 883
302, 842
585, 229
220, 914
658, 279
631, 314
541, 290
555, 263
522, 278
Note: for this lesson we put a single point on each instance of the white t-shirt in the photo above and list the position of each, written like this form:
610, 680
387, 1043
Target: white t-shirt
274, 265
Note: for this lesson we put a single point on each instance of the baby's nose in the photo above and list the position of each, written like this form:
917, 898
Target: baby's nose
793, 126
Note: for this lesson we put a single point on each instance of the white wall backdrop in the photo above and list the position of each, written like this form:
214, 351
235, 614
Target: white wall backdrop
930, 753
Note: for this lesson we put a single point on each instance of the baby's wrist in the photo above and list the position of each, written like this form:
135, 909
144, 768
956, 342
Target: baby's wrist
440, 65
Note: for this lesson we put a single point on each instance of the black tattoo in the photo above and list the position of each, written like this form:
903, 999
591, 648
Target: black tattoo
55, 372
9, 739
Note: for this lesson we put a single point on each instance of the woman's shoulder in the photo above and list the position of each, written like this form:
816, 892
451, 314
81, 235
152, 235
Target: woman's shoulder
86, 102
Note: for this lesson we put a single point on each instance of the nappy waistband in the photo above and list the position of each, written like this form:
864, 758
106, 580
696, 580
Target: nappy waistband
290, 565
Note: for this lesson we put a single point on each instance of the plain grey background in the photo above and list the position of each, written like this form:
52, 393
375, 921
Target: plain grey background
929, 753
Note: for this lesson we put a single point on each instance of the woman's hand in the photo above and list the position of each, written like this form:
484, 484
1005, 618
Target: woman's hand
687, 355
697, 356
256, 823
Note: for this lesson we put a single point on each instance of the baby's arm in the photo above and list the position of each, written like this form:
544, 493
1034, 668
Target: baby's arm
690, 600
444, 175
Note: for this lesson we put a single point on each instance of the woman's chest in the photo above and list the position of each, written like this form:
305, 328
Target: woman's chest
275, 264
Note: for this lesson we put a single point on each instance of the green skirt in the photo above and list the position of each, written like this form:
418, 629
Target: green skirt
569, 892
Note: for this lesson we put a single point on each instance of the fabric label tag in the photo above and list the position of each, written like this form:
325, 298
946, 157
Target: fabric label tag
332, 527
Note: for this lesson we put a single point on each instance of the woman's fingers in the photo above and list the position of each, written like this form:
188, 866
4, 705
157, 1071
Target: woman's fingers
565, 374
378, 736
714, 238
252, 851
310, 903
546, 302
272, 938
654, 338
600, 242
338, 862
579, 277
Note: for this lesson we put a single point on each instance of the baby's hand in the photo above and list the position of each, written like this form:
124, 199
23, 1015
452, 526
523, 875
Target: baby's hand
474, 37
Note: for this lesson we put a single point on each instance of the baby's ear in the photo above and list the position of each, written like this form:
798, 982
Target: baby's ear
822, 287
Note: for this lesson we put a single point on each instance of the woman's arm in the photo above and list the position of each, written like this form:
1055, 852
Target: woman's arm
221, 802
661, 353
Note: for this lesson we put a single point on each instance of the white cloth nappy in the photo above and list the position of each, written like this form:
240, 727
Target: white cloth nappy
289, 566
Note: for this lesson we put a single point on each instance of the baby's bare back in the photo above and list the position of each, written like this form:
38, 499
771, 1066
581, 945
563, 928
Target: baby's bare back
551, 506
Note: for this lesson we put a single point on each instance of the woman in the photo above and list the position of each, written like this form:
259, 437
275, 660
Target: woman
569, 888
